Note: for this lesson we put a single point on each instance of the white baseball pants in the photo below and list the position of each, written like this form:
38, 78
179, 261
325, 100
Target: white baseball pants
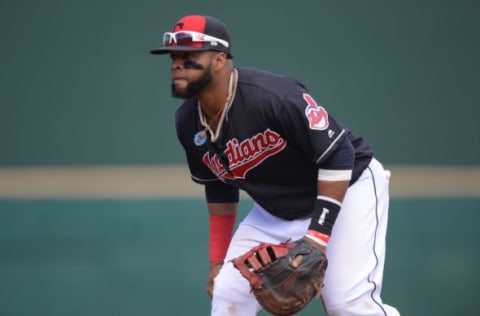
355, 252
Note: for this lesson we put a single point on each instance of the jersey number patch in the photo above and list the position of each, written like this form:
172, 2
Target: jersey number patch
317, 116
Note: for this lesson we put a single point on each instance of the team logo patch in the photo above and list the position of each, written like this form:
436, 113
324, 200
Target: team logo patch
317, 116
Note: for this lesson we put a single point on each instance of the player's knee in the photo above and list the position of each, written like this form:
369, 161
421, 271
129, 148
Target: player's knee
229, 285
232, 296
364, 305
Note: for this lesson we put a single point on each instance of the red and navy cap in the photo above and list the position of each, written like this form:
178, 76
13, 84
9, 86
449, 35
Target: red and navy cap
202, 24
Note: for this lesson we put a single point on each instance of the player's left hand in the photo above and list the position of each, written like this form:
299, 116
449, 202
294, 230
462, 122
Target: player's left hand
322, 248
296, 262
212, 273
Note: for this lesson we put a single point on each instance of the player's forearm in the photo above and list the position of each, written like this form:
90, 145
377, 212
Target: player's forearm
222, 208
333, 189
222, 218
329, 200
333, 180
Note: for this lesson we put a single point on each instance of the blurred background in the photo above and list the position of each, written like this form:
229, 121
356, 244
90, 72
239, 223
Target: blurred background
93, 185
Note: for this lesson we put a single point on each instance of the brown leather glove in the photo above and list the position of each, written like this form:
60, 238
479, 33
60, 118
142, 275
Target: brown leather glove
285, 277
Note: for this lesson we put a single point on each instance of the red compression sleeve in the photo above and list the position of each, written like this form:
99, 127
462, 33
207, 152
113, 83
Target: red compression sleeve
221, 228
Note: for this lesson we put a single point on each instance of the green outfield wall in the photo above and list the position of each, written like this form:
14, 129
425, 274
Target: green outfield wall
150, 258
78, 86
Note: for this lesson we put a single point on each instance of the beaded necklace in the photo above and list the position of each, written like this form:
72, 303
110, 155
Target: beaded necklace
203, 119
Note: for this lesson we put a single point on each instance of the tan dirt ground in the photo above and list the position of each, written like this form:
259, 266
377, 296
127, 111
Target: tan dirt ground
174, 182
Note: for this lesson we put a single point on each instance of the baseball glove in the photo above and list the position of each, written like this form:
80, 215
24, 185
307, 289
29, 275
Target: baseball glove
283, 289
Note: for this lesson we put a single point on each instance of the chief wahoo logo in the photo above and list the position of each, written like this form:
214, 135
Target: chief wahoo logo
317, 116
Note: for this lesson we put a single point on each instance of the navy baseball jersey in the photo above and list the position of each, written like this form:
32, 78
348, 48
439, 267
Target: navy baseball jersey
274, 139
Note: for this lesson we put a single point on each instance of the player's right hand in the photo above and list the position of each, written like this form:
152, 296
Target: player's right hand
212, 273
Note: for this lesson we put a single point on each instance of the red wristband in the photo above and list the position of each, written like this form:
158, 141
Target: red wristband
221, 228
318, 237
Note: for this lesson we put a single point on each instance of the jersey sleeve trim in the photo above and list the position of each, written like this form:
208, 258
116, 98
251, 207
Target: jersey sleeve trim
203, 181
340, 136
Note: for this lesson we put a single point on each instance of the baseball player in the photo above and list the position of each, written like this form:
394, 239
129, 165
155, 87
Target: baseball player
309, 176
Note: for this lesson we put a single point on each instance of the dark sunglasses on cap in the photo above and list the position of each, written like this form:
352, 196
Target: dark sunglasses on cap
186, 38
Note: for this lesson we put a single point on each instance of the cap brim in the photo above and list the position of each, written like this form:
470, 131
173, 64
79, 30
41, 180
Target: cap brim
176, 48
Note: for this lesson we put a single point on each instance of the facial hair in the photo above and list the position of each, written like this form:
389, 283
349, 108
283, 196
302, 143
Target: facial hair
194, 87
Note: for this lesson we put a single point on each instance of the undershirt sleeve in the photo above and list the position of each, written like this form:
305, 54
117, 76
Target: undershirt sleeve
219, 192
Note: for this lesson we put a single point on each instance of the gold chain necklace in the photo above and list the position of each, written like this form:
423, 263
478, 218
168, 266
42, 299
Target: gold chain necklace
203, 120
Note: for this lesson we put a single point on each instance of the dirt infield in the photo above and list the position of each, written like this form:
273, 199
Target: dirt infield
174, 182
